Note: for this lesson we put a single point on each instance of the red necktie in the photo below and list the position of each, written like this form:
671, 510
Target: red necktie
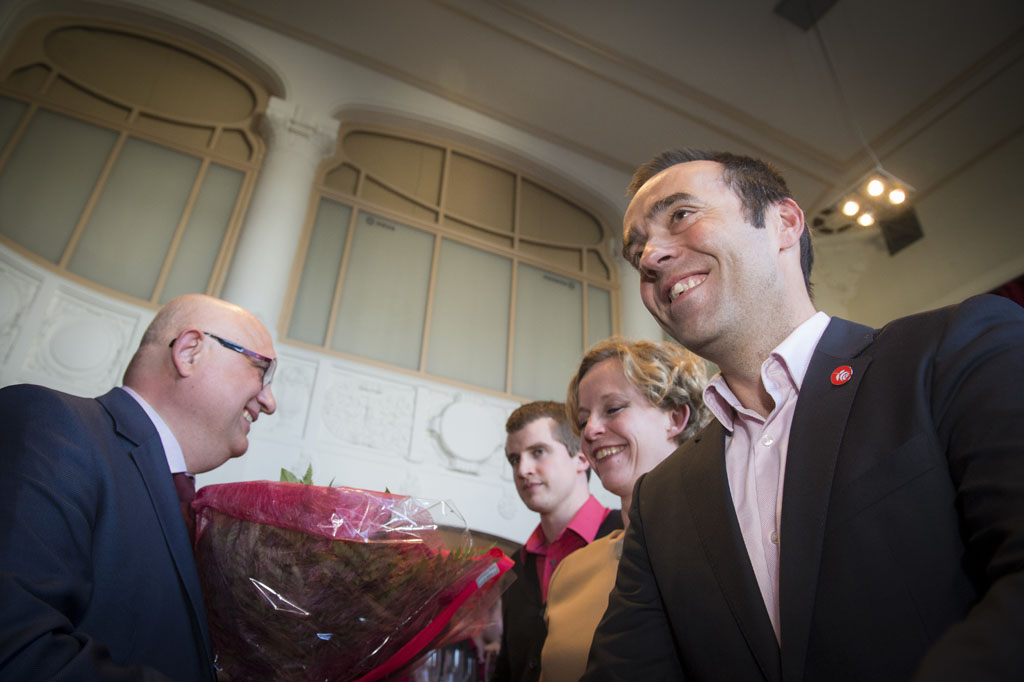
186, 487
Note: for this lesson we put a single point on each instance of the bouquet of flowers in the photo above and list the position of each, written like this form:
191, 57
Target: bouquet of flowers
307, 583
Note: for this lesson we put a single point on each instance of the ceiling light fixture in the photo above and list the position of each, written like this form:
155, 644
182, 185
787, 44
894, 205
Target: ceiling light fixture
876, 198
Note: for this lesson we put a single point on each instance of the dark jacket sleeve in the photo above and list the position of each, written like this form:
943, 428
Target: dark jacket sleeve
48, 507
633, 640
523, 628
502, 671
978, 407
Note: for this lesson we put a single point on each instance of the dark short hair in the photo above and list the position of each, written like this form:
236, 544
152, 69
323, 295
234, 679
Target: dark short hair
757, 183
527, 413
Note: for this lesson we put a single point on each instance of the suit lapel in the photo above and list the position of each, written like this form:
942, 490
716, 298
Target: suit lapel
148, 455
706, 491
819, 423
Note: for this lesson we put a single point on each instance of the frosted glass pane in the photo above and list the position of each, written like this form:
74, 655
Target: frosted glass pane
126, 240
599, 315
382, 196
149, 73
596, 265
545, 215
384, 296
11, 111
48, 179
567, 258
343, 178
204, 233
481, 192
469, 322
549, 333
409, 166
320, 273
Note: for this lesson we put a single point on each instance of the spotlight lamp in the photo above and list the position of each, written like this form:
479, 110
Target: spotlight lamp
876, 201
877, 197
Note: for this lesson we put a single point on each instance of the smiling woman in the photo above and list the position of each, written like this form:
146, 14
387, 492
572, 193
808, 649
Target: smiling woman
632, 404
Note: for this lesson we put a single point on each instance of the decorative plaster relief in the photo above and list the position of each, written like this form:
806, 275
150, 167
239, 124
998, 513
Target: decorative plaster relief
293, 390
429, 403
288, 127
83, 342
364, 411
469, 433
18, 290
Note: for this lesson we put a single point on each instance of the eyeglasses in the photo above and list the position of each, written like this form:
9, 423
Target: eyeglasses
268, 365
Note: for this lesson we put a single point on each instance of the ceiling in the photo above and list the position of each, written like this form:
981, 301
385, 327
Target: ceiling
929, 85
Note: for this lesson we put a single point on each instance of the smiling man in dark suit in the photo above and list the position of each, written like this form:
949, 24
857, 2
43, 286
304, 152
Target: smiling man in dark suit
856, 510
97, 577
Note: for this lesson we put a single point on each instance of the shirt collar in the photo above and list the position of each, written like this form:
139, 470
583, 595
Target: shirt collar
585, 523
796, 350
172, 449
793, 355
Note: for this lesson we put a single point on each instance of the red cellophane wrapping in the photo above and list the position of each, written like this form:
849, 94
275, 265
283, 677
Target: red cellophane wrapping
307, 583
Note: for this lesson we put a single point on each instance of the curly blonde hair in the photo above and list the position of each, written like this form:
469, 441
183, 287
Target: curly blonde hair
668, 375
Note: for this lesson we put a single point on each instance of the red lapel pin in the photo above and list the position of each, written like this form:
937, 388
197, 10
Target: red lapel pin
841, 374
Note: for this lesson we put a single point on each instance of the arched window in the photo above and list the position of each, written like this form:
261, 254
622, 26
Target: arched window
431, 258
126, 158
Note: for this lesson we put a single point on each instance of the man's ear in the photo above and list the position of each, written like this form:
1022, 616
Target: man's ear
790, 223
581, 462
186, 350
679, 417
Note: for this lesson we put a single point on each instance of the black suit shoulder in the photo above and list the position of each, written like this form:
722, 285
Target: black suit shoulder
902, 507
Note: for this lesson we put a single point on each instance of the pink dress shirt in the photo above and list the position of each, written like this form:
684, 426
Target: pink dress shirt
581, 531
755, 452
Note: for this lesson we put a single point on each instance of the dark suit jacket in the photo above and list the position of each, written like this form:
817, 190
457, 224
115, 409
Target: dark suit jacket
902, 533
97, 578
522, 616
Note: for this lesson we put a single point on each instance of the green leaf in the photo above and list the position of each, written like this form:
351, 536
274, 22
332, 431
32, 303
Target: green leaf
308, 478
288, 477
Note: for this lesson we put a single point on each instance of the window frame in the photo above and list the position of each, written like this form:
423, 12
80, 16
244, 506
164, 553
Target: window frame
440, 231
27, 50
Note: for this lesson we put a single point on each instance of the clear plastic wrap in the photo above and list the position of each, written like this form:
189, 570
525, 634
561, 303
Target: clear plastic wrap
307, 583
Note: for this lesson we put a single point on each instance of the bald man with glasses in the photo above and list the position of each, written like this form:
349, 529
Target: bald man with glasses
97, 577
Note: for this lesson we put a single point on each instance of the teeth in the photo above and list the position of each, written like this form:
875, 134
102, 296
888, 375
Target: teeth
684, 285
248, 417
601, 453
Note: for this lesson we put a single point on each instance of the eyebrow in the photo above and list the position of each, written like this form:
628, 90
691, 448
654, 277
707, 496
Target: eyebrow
531, 446
631, 239
662, 205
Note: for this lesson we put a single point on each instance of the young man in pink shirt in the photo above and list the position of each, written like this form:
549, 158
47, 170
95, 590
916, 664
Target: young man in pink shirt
551, 475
